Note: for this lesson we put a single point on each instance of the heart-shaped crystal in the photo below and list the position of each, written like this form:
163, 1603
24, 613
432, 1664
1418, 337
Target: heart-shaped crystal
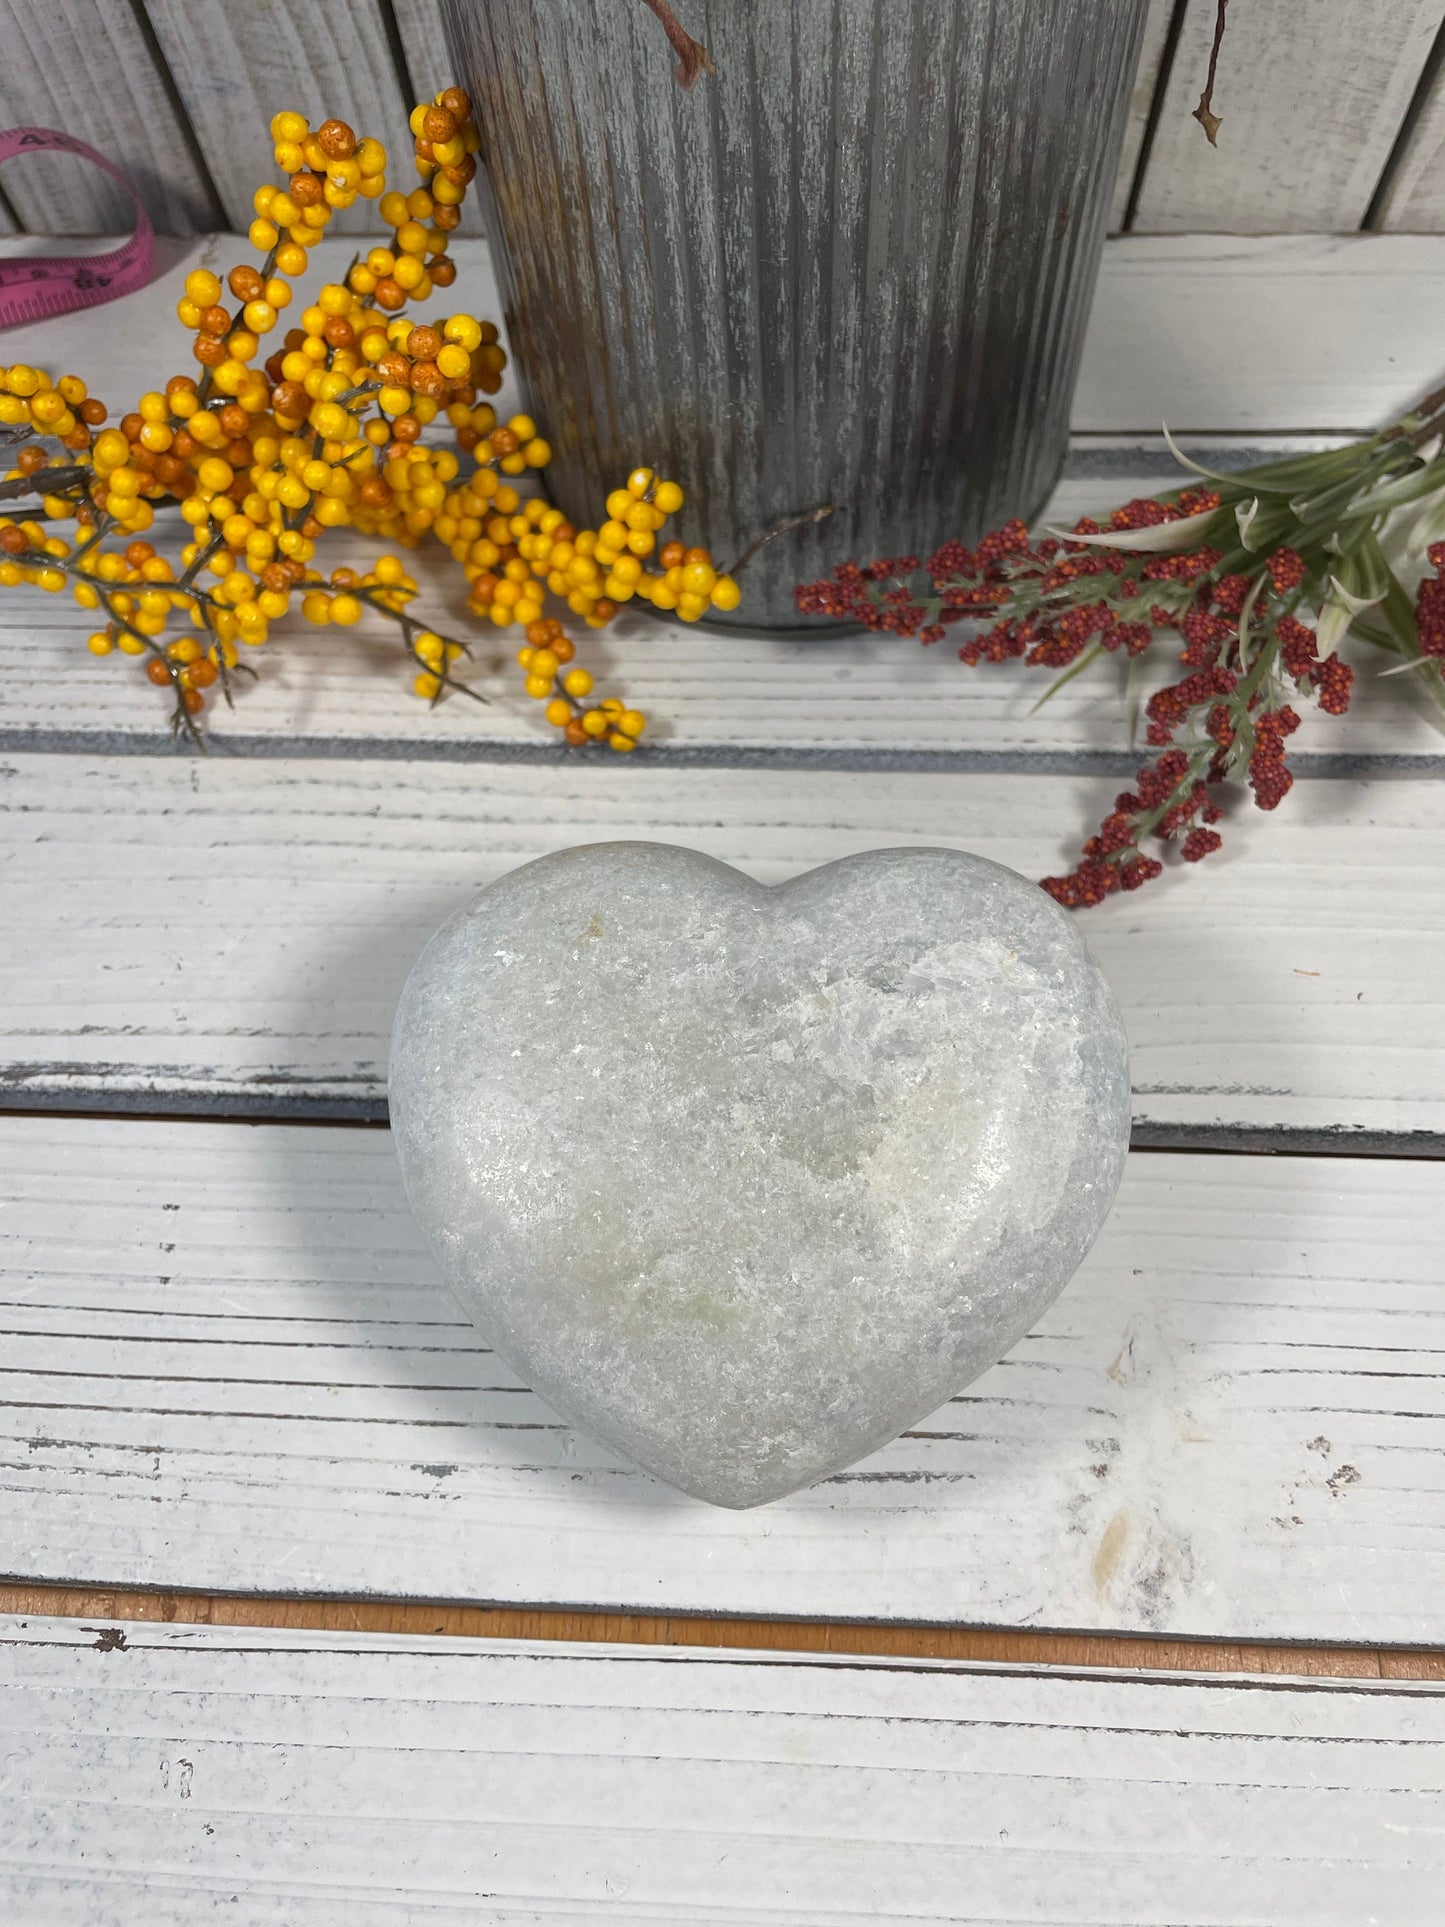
745, 1180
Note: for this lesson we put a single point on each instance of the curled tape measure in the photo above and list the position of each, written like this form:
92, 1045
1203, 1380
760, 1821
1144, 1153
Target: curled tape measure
32, 286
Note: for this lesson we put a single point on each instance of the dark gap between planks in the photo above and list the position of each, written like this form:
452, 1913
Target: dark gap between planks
1342, 765
370, 1113
865, 1641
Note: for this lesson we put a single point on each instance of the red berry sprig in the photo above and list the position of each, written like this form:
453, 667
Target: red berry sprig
1257, 574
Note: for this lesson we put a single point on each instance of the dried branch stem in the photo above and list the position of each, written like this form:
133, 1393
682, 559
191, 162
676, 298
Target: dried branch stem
1204, 113
693, 60
789, 522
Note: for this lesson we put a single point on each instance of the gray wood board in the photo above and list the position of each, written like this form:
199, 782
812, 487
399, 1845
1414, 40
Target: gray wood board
88, 70
1312, 95
236, 65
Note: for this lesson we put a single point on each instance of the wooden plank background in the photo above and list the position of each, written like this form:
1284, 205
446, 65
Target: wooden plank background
229, 1364
170, 1773
231, 935
1332, 109
1201, 331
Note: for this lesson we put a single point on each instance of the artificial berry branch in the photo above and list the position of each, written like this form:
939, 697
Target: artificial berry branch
1261, 574
361, 418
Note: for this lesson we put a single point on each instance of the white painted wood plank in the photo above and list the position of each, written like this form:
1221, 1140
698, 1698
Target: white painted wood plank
1141, 100
1243, 335
237, 932
229, 1365
274, 1777
87, 70
706, 693
1415, 199
1164, 309
235, 65
1312, 94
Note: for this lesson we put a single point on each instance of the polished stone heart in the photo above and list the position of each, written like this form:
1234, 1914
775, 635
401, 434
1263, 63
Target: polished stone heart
744, 1180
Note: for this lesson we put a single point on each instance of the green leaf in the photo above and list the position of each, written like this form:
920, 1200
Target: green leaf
1090, 656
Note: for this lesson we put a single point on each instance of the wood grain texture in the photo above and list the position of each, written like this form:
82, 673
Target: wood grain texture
863, 699
1246, 334
1414, 200
1242, 335
123, 1606
238, 62
1312, 94
1146, 84
233, 934
424, 41
226, 1363
1180, 326
87, 70
1170, 336
269, 1778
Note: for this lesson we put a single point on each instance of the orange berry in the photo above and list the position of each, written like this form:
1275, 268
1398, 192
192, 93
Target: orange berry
336, 140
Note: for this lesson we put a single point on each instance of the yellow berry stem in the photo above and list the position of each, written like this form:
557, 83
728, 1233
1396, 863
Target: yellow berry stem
410, 629
263, 452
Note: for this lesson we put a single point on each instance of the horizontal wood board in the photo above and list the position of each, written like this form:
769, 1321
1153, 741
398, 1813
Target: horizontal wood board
266, 1778
227, 1363
1175, 323
1217, 334
710, 697
232, 935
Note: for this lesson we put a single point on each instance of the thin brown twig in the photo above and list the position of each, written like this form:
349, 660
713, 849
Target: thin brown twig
693, 60
803, 521
1204, 113
43, 481
410, 629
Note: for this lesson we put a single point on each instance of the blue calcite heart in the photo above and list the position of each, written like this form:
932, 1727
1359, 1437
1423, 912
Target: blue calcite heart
744, 1180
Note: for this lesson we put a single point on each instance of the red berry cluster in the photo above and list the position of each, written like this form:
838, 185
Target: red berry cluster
1330, 680
1049, 602
1168, 707
1430, 604
1269, 777
1167, 798
1286, 570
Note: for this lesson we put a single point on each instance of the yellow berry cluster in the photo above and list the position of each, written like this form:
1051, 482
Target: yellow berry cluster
358, 417
528, 545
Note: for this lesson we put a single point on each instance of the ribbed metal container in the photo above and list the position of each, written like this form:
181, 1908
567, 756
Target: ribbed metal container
853, 267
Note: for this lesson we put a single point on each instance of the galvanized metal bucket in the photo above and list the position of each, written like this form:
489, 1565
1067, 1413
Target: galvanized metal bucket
853, 267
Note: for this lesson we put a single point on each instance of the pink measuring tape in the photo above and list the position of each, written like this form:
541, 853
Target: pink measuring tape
35, 285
